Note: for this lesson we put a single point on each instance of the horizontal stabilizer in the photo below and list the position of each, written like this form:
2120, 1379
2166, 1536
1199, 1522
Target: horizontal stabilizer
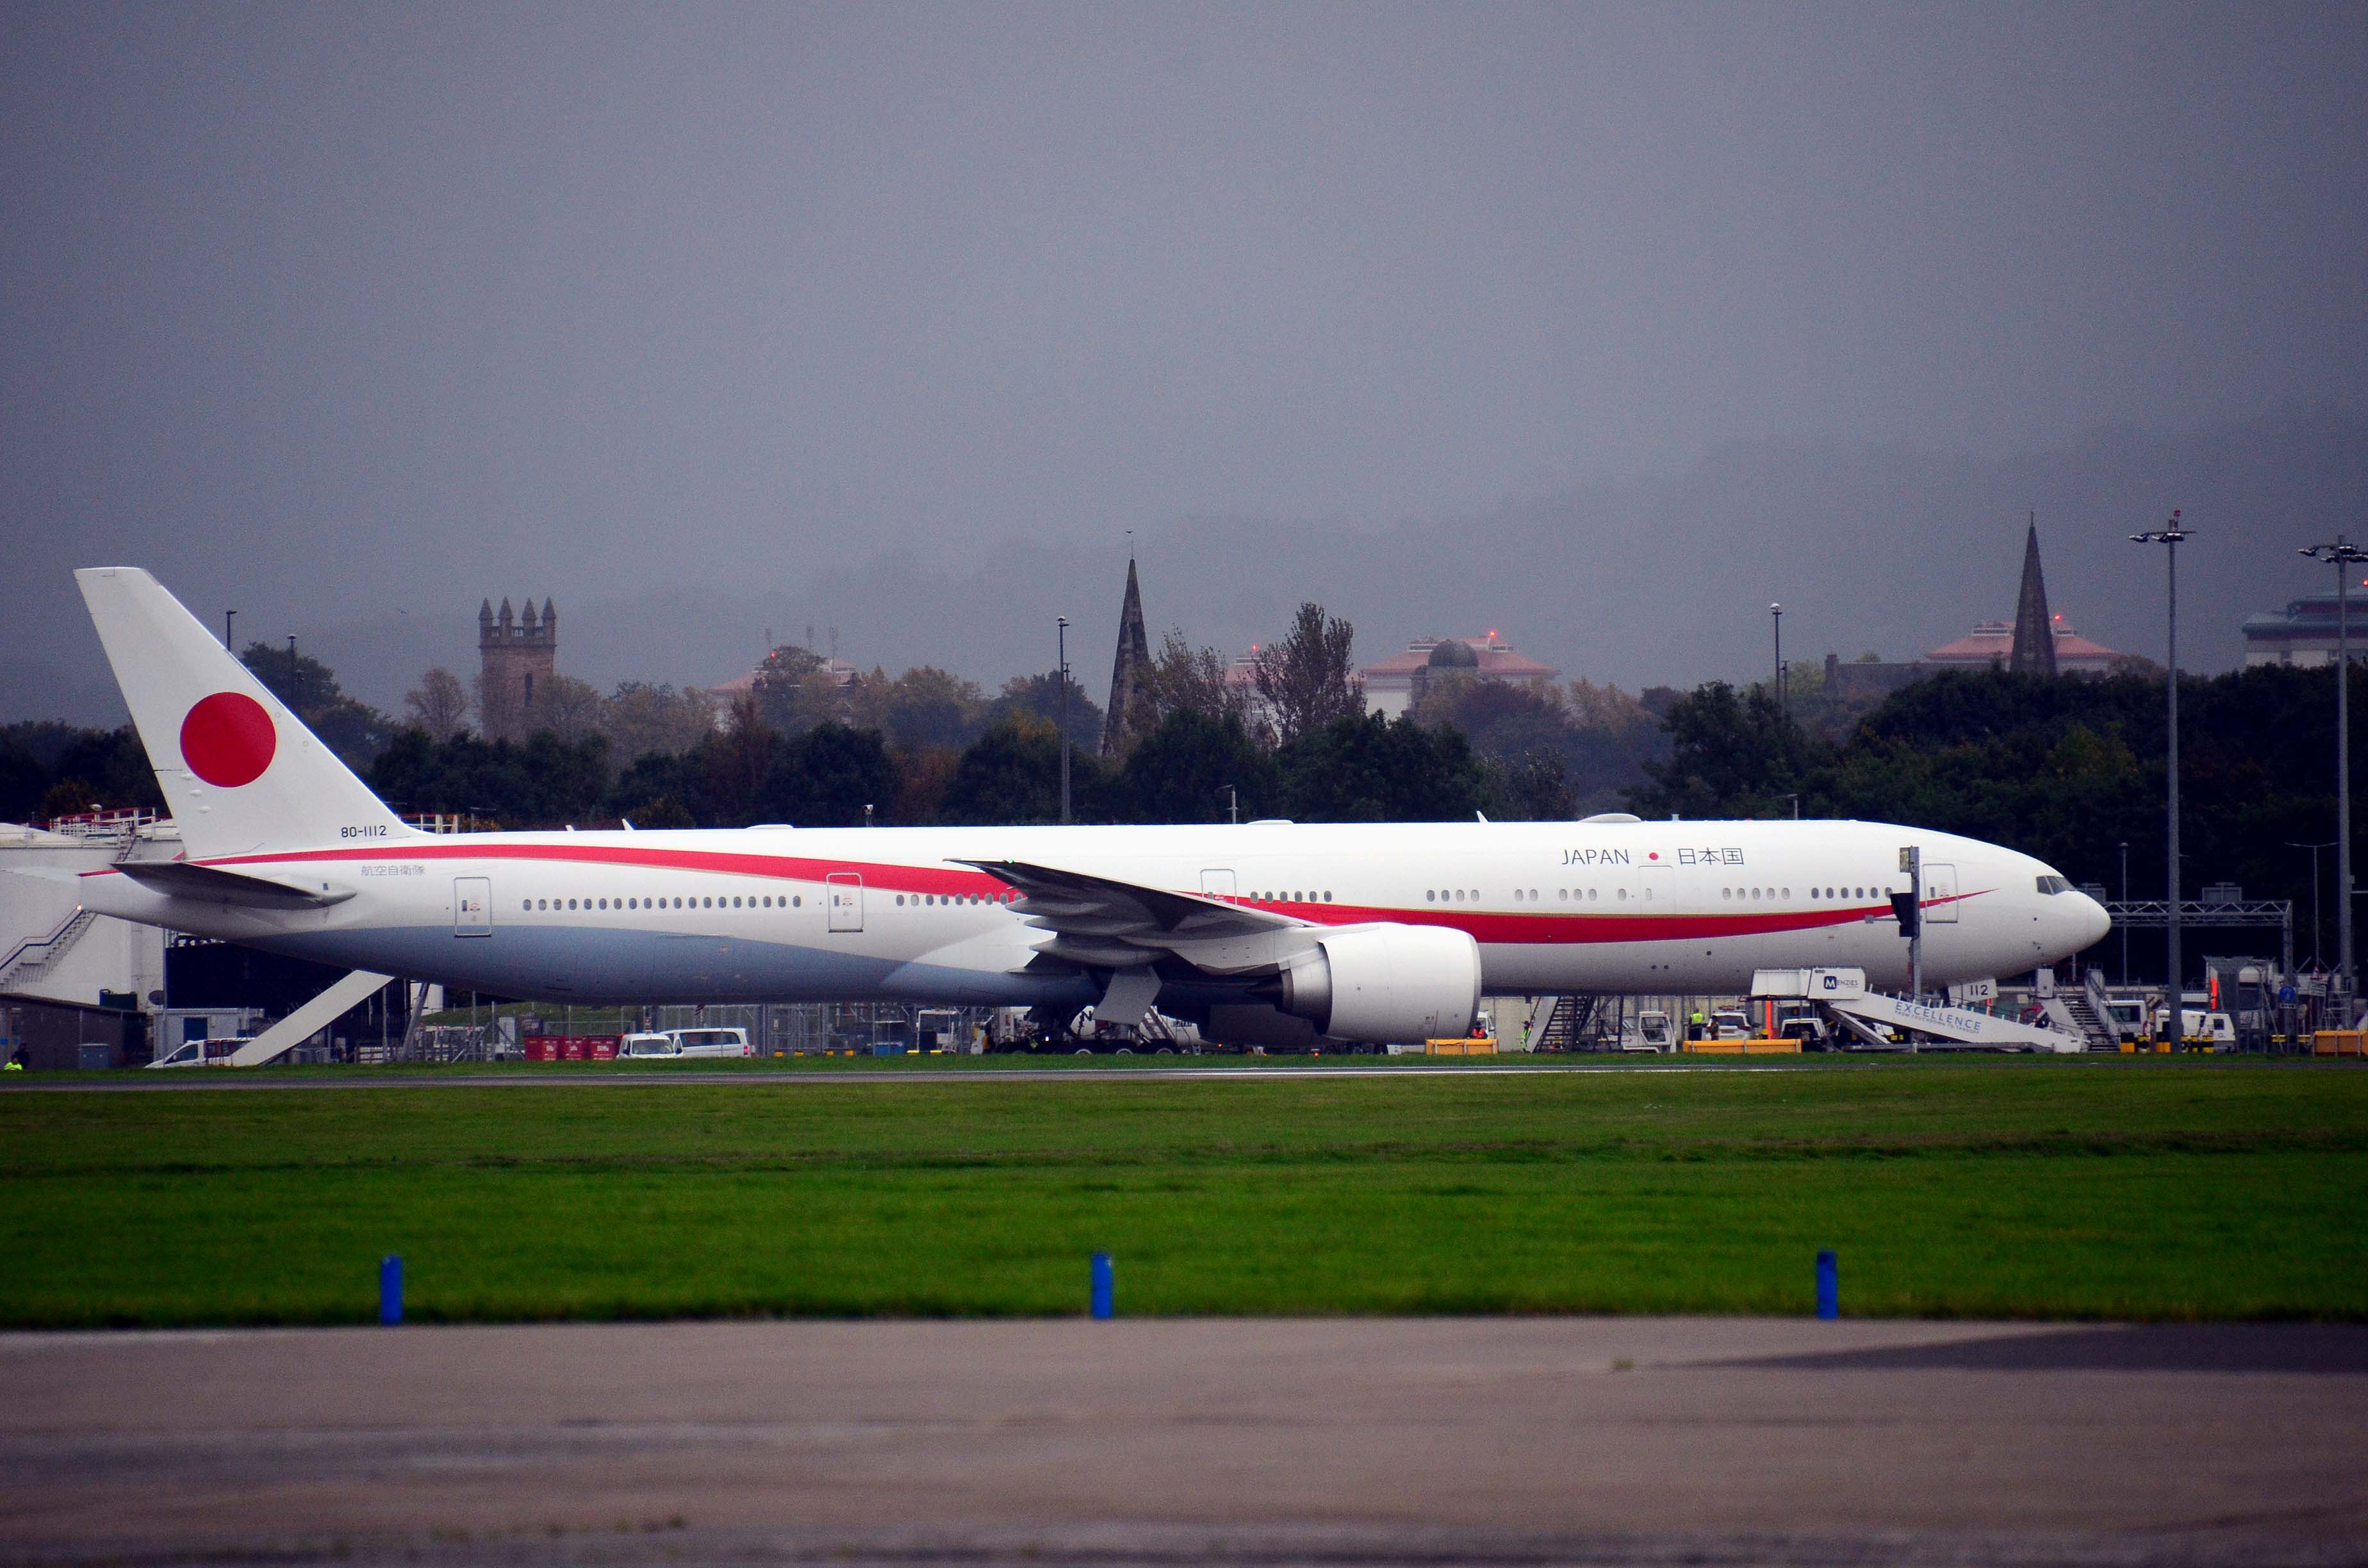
178, 878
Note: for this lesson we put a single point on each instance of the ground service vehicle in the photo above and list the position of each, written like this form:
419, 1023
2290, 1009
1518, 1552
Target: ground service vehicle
712, 1042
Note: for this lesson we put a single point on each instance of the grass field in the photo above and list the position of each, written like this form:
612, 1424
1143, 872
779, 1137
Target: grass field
2128, 1187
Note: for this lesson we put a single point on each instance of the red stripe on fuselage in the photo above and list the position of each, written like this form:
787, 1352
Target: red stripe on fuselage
1489, 927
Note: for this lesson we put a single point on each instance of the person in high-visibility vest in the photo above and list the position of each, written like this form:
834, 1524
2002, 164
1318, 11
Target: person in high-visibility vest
1695, 1025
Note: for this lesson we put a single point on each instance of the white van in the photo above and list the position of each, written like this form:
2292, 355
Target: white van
201, 1052
712, 1042
645, 1046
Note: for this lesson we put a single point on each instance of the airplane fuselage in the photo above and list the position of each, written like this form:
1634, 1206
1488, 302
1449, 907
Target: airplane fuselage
780, 914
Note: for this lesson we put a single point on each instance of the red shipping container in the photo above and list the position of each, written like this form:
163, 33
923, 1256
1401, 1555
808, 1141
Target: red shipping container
540, 1048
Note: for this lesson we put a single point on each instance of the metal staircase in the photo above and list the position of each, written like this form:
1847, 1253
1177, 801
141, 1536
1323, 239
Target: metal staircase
1568, 1025
2076, 1010
32, 957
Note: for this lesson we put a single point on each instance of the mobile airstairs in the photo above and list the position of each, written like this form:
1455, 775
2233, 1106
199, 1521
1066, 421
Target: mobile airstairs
1869, 1016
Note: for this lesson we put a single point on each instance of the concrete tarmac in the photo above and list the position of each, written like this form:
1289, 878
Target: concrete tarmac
1355, 1440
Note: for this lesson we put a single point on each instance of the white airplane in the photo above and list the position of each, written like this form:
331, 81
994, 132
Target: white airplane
1266, 932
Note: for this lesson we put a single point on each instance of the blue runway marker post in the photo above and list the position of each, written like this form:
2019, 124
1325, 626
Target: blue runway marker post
1829, 1285
1103, 1303
390, 1290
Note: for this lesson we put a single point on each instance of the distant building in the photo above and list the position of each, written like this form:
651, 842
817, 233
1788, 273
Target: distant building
2304, 633
1990, 645
514, 655
838, 672
1396, 684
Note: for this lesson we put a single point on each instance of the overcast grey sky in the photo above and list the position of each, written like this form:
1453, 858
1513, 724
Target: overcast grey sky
326, 311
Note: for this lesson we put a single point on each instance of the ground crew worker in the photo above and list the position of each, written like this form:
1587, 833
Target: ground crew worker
1695, 1025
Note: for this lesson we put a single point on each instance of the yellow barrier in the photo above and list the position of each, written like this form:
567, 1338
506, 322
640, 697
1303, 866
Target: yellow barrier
1458, 1047
2340, 1042
1741, 1047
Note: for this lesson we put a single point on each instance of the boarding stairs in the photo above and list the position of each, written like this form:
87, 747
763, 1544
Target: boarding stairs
309, 1019
2081, 1012
1869, 1016
1566, 1025
33, 957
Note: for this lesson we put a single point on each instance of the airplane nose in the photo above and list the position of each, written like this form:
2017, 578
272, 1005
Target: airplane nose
2092, 923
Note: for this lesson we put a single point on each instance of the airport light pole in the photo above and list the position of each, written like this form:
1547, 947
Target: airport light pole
2316, 962
1776, 619
295, 680
1062, 634
229, 645
2124, 921
2170, 536
2345, 557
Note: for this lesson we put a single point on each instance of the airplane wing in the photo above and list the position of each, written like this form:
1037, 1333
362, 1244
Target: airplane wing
1106, 923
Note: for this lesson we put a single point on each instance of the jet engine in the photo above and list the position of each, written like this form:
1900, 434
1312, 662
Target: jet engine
1388, 982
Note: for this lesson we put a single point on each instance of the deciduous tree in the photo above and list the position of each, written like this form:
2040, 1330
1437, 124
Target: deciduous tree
1306, 678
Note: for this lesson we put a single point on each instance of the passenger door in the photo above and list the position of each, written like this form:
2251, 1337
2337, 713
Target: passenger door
844, 890
1940, 882
473, 906
1217, 882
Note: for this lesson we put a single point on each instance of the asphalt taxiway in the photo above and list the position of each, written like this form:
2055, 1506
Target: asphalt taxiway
1397, 1441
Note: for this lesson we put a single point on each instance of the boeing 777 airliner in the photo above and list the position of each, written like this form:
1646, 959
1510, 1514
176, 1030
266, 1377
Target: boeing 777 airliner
1267, 931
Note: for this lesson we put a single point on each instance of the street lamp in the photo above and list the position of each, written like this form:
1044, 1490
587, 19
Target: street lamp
1776, 619
228, 617
1062, 636
2172, 536
2314, 849
2345, 557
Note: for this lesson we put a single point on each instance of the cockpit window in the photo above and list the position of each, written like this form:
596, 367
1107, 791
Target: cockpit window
2053, 885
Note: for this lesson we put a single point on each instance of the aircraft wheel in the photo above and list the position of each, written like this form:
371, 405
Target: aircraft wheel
1164, 1051
1083, 1052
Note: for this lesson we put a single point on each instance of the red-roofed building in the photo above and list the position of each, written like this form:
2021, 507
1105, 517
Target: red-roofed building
1991, 643
1393, 685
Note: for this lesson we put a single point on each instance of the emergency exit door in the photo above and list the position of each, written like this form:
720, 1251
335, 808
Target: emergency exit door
473, 906
844, 892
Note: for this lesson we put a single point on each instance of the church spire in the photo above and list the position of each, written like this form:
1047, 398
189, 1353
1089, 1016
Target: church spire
2034, 630
1127, 670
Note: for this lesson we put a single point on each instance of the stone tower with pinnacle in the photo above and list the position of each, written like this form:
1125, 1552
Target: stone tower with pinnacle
517, 657
1128, 669
2035, 631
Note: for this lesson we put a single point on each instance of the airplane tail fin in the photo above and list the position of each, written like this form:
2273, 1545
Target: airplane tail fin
241, 773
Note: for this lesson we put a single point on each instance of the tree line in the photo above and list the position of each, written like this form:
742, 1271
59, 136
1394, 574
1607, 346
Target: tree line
2069, 769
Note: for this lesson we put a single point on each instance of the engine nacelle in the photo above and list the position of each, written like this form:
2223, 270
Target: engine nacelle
1388, 984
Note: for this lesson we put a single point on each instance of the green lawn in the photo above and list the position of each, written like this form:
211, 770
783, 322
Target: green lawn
2121, 1187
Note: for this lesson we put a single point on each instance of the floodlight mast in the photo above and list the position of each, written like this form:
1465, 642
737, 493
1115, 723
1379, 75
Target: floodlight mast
2172, 536
2345, 557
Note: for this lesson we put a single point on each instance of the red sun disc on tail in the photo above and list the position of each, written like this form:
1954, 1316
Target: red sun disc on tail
227, 740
